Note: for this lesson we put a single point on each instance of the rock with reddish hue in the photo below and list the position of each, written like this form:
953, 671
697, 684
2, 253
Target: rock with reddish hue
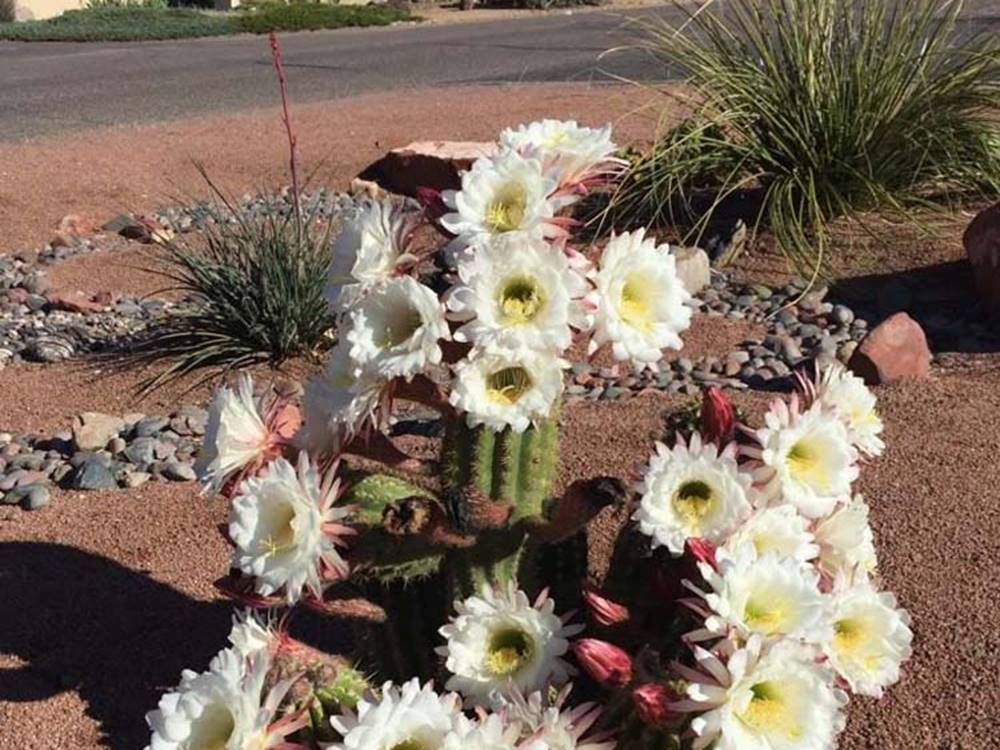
77, 302
895, 349
982, 246
72, 227
433, 164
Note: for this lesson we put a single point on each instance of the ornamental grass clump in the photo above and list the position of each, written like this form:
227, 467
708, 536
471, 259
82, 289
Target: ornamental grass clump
740, 604
255, 288
822, 109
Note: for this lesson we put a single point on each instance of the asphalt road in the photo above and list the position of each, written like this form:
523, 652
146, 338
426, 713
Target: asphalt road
48, 88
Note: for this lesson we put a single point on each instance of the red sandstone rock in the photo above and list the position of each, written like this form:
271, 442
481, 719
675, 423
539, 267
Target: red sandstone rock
77, 302
895, 349
982, 246
433, 164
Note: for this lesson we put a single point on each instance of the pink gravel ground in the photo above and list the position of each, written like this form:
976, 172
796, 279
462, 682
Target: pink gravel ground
102, 173
106, 596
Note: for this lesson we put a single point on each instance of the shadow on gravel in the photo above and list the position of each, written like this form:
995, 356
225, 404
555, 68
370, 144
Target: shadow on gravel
115, 636
940, 297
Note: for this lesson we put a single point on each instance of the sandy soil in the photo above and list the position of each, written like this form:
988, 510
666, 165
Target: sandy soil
107, 595
102, 173
126, 268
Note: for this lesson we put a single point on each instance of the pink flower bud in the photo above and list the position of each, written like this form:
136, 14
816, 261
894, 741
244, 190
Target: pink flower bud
604, 611
605, 662
718, 420
701, 550
652, 703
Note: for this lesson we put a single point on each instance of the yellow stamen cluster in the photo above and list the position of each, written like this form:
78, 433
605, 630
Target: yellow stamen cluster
282, 535
506, 386
520, 300
636, 303
692, 501
505, 212
507, 652
764, 617
399, 329
768, 713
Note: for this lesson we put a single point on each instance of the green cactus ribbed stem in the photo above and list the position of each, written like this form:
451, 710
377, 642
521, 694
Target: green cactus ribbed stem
513, 468
415, 579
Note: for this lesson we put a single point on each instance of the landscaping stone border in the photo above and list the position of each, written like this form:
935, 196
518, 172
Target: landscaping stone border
101, 452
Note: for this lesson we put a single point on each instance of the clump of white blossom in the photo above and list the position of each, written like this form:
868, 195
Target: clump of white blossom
793, 619
791, 615
521, 295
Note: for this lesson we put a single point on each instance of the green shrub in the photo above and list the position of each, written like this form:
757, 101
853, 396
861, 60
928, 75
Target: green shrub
8, 10
311, 16
136, 20
256, 285
828, 108
95, 4
120, 24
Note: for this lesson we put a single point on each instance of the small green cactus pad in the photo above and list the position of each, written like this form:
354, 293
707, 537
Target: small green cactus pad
373, 493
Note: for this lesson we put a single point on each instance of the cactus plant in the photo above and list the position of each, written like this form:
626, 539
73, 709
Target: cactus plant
724, 517
493, 521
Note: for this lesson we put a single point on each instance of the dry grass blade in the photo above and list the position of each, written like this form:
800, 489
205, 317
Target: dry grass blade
828, 108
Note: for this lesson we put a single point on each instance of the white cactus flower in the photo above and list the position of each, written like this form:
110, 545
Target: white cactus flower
518, 293
773, 697
336, 405
780, 529
225, 708
507, 388
768, 595
846, 542
489, 733
570, 151
500, 641
692, 492
851, 400
500, 194
407, 717
286, 530
235, 434
370, 249
639, 300
871, 638
807, 458
395, 329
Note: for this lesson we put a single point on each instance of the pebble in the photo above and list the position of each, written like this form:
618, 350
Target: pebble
148, 426
178, 472
142, 451
34, 496
133, 479
94, 475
